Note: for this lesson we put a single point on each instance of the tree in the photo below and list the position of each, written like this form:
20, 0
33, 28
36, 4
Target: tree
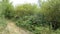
25, 10
7, 9
51, 10
3, 22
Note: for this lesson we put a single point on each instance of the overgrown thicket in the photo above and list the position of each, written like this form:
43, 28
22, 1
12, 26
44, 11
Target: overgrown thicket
3, 22
32, 17
51, 9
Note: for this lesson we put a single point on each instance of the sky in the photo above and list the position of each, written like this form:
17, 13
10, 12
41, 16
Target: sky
17, 2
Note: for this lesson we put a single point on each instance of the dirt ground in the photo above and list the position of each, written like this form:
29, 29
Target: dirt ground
13, 29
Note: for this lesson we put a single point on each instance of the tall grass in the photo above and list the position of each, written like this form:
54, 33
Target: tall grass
3, 24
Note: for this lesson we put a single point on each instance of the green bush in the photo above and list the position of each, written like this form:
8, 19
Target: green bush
3, 24
29, 23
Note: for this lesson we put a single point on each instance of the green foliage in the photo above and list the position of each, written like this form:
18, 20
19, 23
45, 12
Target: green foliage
31, 22
51, 10
26, 10
28, 23
7, 10
30, 16
3, 22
